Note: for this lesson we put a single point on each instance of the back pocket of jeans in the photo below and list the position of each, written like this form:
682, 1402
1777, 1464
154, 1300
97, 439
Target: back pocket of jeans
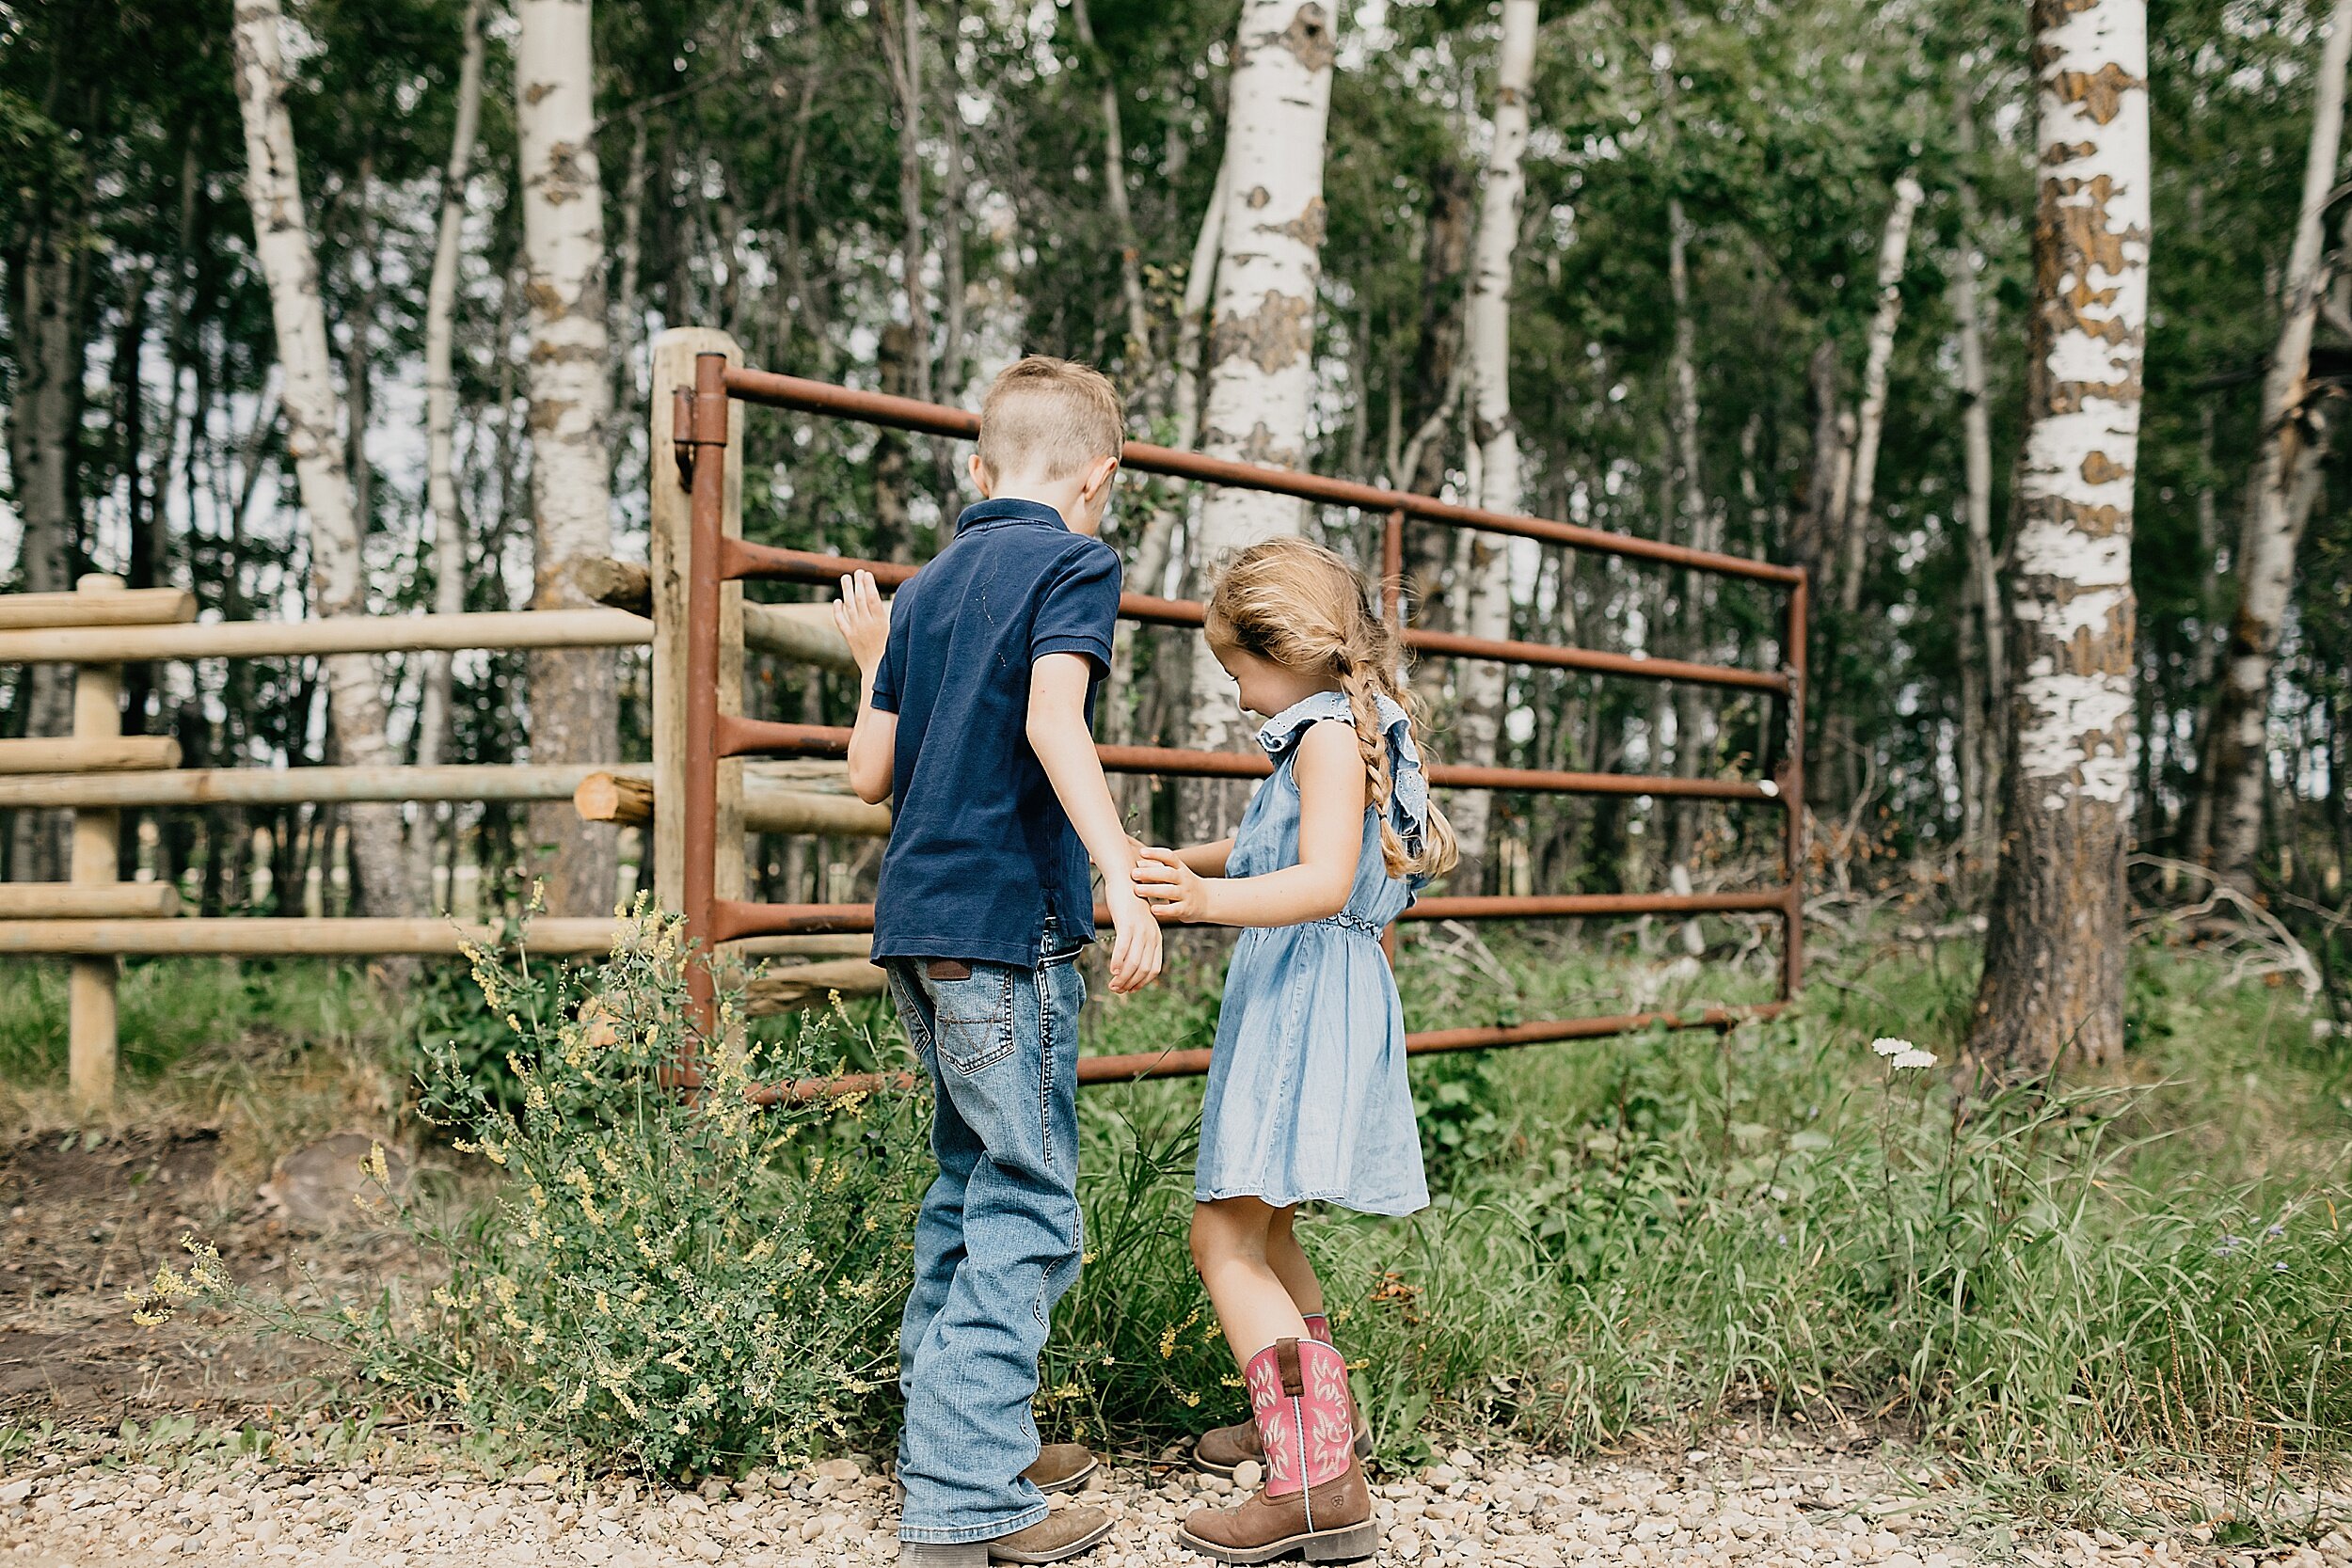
974, 1018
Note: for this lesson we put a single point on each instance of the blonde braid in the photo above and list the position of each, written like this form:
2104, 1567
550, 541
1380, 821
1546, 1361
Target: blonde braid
1371, 743
1302, 606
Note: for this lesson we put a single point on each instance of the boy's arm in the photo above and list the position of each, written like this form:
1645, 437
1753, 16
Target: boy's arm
1065, 749
865, 622
1331, 793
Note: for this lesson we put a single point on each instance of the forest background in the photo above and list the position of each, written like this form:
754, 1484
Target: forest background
1767, 285
333, 307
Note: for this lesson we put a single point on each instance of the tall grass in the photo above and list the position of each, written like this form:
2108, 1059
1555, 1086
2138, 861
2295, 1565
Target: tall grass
1649, 1235
2139, 1268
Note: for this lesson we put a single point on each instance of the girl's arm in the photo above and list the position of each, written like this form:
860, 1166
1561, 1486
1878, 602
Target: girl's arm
1208, 859
1331, 795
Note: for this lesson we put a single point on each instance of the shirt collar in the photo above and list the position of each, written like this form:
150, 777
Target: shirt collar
1011, 510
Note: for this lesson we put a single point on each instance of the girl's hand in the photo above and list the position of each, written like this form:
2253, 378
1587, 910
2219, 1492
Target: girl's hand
1172, 889
864, 620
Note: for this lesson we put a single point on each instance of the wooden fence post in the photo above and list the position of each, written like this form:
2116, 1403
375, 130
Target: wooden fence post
669, 514
90, 1039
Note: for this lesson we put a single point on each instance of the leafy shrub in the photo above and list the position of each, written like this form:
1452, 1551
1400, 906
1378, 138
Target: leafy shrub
685, 1287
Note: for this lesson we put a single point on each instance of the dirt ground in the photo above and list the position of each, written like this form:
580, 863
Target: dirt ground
85, 1217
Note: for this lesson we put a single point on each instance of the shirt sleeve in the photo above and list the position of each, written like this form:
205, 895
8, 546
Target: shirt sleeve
890, 675
1079, 609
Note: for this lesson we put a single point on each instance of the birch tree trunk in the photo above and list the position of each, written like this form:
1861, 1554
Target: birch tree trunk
2226, 828
2055, 948
46, 310
1138, 359
901, 24
1199, 279
1980, 727
1262, 332
440, 420
1147, 571
573, 706
1686, 500
1870, 417
1482, 685
314, 418
1831, 465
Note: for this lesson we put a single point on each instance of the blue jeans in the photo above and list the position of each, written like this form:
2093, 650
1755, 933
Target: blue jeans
998, 1240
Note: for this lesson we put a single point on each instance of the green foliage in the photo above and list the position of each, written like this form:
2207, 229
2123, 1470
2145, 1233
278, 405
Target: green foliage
679, 1286
692, 1286
451, 1035
1629, 1237
171, 1010
1669, 1230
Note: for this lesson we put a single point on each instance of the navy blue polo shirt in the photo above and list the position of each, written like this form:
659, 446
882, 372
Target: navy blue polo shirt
980, 850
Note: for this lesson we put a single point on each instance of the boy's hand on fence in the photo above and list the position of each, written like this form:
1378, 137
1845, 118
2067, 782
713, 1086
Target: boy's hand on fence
864, 619
1173, 888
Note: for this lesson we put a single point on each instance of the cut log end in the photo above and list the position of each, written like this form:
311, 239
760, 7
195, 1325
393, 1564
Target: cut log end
811, 985
616, 798
622, 584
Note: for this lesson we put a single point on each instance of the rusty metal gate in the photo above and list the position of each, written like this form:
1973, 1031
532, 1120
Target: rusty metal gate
699, 422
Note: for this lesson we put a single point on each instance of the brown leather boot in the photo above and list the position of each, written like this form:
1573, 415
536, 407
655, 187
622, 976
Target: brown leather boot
1061, 1468
1221, 1451
1063, 1533
1315, 1502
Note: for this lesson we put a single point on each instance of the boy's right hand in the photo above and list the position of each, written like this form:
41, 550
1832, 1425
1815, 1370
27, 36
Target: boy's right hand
864, 620
1135, 948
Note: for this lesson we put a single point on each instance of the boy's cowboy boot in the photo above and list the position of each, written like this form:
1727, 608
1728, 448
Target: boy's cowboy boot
1059, 1535
1315, 1502
1061, 1468
1217, 1452
1058, 1468
1063, 1533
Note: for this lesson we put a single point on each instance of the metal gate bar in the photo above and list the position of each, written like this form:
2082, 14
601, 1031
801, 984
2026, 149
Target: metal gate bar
700, 422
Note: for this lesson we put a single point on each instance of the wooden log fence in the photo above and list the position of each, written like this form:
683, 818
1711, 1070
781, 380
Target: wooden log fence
702, 793
97, 772
89, 753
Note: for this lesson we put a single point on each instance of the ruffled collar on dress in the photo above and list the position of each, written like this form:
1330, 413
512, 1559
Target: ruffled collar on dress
1408, 803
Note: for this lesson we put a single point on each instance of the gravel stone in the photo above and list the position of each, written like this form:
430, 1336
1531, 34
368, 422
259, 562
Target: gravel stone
1750, 1502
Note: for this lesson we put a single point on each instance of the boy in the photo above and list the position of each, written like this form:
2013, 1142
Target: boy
975, 709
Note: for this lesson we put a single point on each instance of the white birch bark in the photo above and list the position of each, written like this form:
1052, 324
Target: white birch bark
1147, 571
1981, 764
1481, 684
1262, 332
570, 388
902, 49
1138, 359
45, 310
1199, 280
2227, 826
1871, 418
2055, 948
313, 417
440, 422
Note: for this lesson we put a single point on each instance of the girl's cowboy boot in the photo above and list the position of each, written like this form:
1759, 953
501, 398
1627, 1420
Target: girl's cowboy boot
1315, 1502
1219, 1452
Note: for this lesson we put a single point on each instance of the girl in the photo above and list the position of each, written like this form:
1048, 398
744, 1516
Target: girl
1305, 1098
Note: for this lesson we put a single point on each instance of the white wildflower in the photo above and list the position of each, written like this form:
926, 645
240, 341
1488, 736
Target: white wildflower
1887, 1045
1914, 1057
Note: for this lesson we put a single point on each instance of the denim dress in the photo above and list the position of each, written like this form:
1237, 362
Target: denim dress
1306, 1099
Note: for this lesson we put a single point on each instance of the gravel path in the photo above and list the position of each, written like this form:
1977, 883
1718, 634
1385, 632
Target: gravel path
1758, 1505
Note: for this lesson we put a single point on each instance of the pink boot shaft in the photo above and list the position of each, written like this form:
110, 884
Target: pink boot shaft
1298, 1393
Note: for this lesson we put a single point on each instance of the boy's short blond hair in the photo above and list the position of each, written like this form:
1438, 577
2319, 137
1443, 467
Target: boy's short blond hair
1050, 419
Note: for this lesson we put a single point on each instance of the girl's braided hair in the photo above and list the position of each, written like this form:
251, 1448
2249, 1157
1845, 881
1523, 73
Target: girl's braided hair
1303, 608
